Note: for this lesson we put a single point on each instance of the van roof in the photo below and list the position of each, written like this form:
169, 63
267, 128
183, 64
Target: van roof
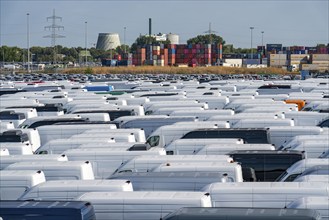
139, 196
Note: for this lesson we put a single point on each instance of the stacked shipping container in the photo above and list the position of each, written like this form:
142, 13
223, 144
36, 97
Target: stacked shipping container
139, 58
206, 54
319, 62
278, 60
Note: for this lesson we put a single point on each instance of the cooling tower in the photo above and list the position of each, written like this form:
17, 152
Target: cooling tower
174, 38
107, 41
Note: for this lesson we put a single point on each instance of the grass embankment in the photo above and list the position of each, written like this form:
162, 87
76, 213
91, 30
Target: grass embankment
176, 70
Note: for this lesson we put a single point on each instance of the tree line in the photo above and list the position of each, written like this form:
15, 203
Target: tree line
73, 54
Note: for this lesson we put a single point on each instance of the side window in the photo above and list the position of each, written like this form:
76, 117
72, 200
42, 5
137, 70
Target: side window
43, 152
153, 141
125, 171
325, 123
292, 177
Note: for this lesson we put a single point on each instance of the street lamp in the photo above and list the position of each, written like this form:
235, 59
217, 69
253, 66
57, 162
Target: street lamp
251, 28
262, 43
124, 39
85, 43
28, 42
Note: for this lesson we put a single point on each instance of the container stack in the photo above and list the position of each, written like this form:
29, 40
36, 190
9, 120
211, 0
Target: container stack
129, 59
322, 50
140, 57
207, 54
297, 50
311, 50
181, 54
278, 60
298, 59
171, 54
320, 62
273, 48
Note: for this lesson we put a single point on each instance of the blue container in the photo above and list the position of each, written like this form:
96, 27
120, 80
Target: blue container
99, 88
304, 74
251, 61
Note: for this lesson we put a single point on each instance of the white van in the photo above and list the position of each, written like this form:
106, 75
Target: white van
213, 102
221, 149
146, 163
262, 194
313, 148
51, 132
270, 109
191, 146
262, 123
202, 115
142, 205
47, 120
173, 181
169, 110
299, 167
70, 189
102, 117
151, 107
15, 182
106, 161
58, 146
118, 137
233, 119
301, 138
138, 133
58, 170
233, 171
281, 134
305, 118
11, 159
150, 122
234, 104
318, 203
164, 135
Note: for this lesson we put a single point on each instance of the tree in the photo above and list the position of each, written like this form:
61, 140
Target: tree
144, 40
122, 49
206, 39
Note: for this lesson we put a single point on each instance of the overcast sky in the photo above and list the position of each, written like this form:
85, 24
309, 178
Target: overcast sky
290, 22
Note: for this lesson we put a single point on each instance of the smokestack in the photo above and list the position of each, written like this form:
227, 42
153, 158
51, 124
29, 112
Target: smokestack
150, 26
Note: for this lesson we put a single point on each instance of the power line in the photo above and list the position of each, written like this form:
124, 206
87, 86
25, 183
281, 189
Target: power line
210, 32
54, 28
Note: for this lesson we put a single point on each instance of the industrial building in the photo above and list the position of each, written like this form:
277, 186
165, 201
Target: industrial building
107, 41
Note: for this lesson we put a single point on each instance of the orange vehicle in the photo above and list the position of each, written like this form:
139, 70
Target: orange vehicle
299, 102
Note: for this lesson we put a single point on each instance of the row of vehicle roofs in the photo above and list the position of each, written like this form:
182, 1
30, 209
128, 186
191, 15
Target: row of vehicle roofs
154, 148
